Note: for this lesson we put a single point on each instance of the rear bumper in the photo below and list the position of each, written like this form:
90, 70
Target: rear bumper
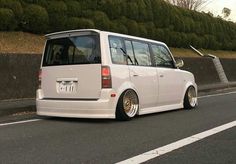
102, 108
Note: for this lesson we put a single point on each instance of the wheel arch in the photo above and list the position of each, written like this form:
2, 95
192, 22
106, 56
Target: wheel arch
125, 87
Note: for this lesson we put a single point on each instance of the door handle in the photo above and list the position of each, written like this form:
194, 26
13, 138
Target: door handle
135, 75
161, 75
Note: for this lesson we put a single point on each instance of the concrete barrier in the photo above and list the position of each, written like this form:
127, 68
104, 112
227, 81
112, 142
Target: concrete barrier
203, 70
19, 73
229, 66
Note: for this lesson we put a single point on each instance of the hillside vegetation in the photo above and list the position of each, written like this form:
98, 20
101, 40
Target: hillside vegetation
27, 43
154, 19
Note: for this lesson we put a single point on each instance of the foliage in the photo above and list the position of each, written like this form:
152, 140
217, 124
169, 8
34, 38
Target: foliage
14, 5
7, 18
35, 19
79, 23
57, 11
154, 19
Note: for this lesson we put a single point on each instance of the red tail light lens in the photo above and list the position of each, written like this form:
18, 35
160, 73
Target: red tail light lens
106, 77
39, 78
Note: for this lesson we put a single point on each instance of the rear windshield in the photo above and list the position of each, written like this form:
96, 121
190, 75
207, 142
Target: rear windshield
83, 49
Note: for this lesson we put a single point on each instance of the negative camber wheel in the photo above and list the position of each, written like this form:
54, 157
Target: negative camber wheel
128, 105
190, 98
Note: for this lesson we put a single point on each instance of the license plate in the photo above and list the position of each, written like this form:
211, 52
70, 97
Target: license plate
67, 87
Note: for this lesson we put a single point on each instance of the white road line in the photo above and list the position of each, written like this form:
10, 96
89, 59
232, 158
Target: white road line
214, 95
176, 145
19, 122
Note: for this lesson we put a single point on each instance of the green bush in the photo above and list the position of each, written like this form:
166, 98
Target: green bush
117, 26
57, 11
35, 19
14, 5
79, 23
154, 19
132, 27
73, 8
101, 20
8, 21
142, 30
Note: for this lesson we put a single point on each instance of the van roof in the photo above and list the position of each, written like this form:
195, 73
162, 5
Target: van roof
99, 31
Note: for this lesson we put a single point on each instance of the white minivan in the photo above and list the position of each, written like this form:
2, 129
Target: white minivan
96, 74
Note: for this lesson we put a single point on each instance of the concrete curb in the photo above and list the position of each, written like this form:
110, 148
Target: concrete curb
210, 87
8, 107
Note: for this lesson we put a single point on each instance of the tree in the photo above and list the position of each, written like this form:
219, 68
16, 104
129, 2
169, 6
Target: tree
188, 4
226, 12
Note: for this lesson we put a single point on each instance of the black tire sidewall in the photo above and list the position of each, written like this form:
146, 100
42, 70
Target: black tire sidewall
187, 104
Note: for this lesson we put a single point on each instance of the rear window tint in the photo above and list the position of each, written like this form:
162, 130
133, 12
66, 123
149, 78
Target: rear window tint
72, 50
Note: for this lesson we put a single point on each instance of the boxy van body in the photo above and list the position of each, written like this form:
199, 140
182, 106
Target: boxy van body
98, 74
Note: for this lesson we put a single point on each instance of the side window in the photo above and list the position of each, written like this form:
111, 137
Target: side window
142, 54
117, 50
130, 52
162, 57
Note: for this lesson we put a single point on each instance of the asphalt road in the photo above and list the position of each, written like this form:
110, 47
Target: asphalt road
57, 140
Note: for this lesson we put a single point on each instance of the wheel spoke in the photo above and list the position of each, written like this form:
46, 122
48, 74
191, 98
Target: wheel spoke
130, 103
192, 97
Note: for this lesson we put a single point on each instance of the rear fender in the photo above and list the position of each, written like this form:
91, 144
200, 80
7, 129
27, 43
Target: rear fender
124, 87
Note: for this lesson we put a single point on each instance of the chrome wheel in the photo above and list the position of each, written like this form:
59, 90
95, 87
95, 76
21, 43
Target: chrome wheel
192, 96
130, 103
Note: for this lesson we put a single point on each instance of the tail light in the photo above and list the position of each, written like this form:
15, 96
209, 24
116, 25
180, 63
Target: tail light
39, 79
106, 77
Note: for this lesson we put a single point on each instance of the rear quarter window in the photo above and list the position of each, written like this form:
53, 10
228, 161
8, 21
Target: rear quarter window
117, 50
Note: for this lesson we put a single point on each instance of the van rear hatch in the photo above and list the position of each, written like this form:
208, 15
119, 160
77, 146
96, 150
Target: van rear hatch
71, 67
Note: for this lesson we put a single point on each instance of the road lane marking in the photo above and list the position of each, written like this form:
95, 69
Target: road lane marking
19, 122
219, 94
176, 145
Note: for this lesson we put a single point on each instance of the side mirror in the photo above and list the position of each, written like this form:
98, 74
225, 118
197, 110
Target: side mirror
179, 63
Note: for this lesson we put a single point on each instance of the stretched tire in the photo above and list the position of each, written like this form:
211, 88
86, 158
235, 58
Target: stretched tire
127, 106
190, 98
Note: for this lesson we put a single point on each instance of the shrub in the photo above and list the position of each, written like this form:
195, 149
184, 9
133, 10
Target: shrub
142, 30
35, 19
57, 11
101, 20
79, 23
132, 27
14, 5
73, 8
8, 21
117, 26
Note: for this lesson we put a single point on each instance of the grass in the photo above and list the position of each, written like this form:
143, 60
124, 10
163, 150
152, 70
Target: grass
22, 42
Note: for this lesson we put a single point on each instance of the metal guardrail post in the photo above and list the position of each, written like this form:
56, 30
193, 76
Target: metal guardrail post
217, 63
